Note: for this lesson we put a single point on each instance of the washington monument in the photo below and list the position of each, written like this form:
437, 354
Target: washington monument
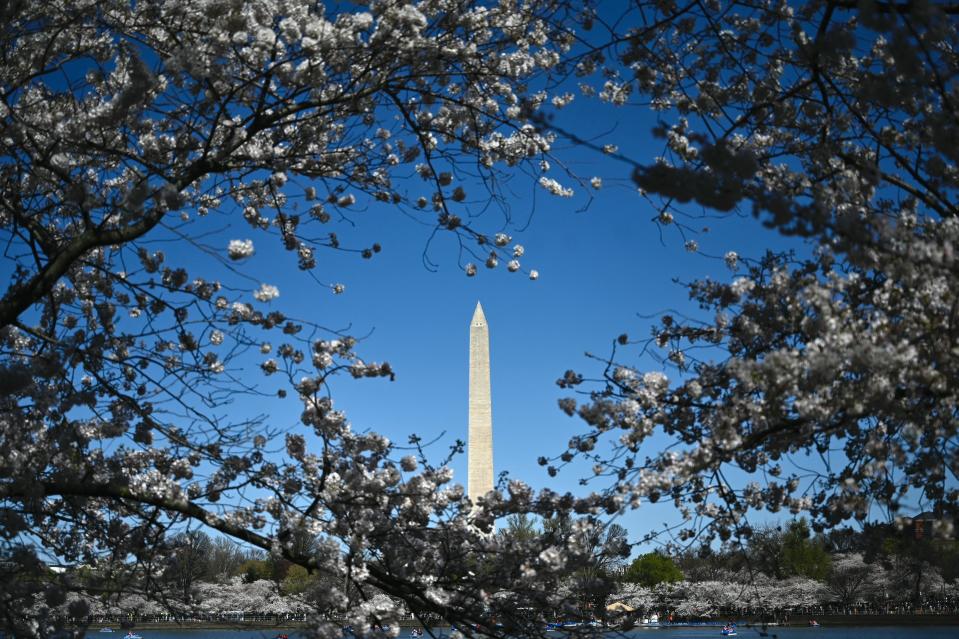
480, 451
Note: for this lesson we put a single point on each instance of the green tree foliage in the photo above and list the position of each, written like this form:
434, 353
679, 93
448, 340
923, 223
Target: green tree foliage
763, 551
790, 553
652, 569
705, 563
297, 581
519, 527
256, 569
801, 555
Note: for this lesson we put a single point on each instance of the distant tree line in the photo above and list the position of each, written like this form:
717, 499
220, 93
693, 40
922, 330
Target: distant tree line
878, 569
779, 569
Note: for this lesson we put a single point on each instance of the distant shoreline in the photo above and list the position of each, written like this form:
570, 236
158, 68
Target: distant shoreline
794, 621
876, 620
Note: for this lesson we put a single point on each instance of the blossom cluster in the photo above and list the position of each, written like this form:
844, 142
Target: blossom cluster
835, 126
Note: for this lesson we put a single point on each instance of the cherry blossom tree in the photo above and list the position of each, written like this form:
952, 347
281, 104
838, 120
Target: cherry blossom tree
797, 592
260, 596
723, 595
130, 127
828, 375
690, 601
635, 596
851, 579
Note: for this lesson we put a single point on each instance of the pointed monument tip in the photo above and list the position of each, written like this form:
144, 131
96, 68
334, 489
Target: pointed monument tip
478, 316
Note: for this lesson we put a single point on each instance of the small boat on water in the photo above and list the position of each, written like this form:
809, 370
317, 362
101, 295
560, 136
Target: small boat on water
106, 629
132, 635
813, 623
729, 630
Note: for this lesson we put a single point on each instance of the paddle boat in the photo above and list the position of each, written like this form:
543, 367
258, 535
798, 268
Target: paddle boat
813, 623
132, 635
729, 630
106, 629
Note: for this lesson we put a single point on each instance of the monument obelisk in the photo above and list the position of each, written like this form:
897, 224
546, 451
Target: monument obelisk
480, 450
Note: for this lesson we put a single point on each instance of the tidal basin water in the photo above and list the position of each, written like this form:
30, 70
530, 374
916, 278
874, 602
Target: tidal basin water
673, 632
